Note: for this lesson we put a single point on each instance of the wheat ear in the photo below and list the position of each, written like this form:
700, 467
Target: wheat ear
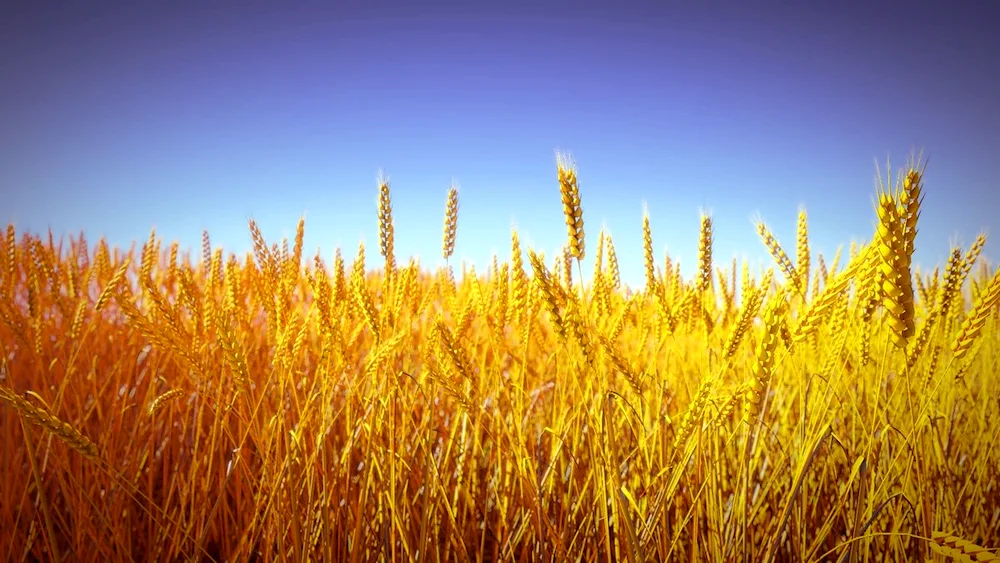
705, 254
647, 251
894, 270
386, 229
450, 222
570, 191
42, 417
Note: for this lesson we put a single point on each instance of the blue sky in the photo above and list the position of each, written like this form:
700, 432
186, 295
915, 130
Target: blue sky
117, 119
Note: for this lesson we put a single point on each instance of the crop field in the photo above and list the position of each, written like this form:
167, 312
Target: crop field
160, 405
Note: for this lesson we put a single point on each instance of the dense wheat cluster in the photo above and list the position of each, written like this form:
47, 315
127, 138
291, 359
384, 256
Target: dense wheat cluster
160, 406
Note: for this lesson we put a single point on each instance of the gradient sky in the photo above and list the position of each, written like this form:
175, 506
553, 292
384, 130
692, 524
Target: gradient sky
117, 119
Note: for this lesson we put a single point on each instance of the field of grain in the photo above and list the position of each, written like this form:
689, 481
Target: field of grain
159, 406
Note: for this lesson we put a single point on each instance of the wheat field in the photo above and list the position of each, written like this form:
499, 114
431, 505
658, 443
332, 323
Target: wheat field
161, 406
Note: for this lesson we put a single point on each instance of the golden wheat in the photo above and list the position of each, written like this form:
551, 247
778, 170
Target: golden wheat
894, 270
450, 222
572, 210
334, 412
42, 417
705, 254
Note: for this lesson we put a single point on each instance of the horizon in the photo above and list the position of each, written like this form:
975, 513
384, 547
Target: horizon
184, 119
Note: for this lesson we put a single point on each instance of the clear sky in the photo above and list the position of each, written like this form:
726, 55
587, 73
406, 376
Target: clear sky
116, 119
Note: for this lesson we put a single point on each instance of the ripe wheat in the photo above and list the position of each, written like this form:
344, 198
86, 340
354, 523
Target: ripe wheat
806, 412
